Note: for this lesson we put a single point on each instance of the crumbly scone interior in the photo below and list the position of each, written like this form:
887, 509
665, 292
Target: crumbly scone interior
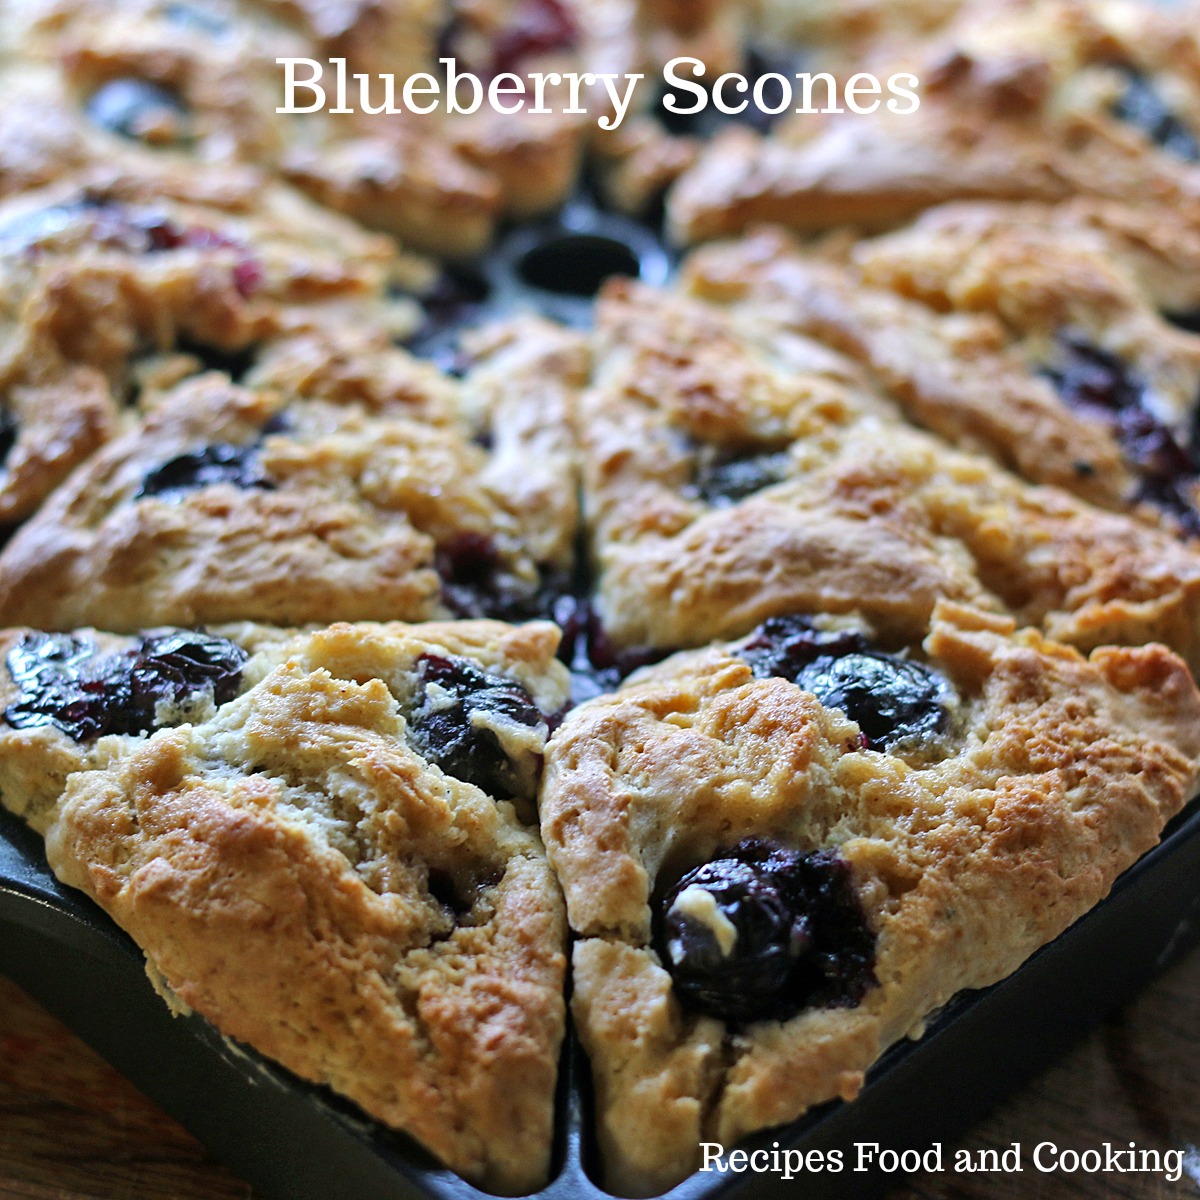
1058, 773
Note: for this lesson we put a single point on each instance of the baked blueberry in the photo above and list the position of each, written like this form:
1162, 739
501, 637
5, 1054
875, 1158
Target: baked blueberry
474, 582
1142, 105
66, 683
763, 931
725, 479
892, 700
1102, 386
784, 646
449, 722
137, 109
206, 467
538, 27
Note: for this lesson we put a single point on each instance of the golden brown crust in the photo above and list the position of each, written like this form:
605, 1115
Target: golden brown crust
296, 887
1059, 772
343, 517
964, 316
864, 514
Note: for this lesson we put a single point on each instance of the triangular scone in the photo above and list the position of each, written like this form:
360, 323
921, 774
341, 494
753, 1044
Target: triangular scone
1015, 102
1004, 330
101, 274
732, 474
858, 874
330, 866
232, 504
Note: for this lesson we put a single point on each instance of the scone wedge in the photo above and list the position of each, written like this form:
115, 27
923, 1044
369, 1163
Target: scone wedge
312, 497
782, 855
734, 471
1030, 333
327, 857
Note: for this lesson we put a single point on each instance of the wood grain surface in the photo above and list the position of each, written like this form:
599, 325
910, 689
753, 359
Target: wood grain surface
71, 1128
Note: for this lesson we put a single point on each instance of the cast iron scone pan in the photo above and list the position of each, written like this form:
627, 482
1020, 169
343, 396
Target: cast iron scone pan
293, 1141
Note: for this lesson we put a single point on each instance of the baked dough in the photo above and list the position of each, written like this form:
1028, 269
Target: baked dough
731, 475
1053, 775
302, 874
231, 504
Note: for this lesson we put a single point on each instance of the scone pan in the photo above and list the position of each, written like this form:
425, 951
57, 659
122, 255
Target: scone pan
292, 1141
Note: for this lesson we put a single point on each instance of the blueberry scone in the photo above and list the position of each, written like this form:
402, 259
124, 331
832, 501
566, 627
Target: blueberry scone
184, 81
782, 855
729, 479
1006, 329
231, 503
1017, 102
154, 82
103, 278
318, 843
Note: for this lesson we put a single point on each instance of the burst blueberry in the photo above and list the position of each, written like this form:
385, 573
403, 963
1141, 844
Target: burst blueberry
723, 480
893, 700
1143, 106
206, 467
65, 682
452, 692
1104, 388
763, 931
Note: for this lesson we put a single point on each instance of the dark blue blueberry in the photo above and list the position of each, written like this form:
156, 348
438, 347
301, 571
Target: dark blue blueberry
133, 107
444, 732
725, 479
64, 682
768, 931
206, 467
892, 700
1103, 387
1141, 106
475, 582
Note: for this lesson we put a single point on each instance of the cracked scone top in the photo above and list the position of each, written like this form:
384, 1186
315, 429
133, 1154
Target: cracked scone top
171, 79
1018, 102
731, 474
782, 855
1034, 334
325, 859
105, 274
228, 503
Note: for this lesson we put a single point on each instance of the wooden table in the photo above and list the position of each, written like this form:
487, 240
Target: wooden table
71, 1128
